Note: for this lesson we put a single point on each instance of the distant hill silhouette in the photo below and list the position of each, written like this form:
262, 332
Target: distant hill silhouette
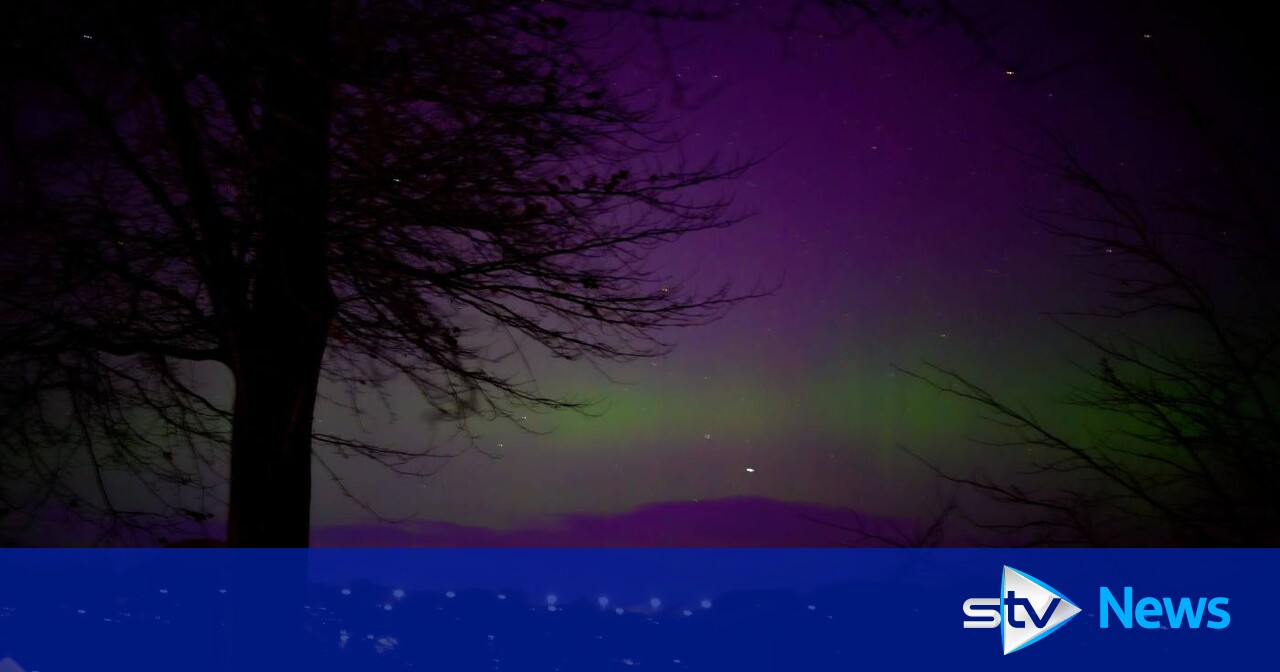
735, 522
755, 522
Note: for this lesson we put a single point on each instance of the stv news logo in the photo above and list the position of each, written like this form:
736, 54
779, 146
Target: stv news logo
1028, 610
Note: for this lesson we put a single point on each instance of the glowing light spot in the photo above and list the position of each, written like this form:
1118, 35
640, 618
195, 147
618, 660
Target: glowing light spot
551, 599
398, 593
751, 470
164, 591
451, 594
604, 602
706, 604
386, 607
618, 611
655, 603
812, 607
502, 596
686, 612
346, 591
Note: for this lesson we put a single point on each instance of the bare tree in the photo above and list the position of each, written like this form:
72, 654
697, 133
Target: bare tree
296, 192
213, 212
1187, 377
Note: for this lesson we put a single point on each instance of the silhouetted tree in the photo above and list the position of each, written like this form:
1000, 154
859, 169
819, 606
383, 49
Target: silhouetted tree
316, 191
298, 191
1184, 392
1181, 444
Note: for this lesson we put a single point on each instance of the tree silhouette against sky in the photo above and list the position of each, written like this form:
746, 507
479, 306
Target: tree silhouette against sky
1182, 403
297, 192
321, 196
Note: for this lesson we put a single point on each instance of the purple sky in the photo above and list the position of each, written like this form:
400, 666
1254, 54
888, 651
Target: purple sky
893, 206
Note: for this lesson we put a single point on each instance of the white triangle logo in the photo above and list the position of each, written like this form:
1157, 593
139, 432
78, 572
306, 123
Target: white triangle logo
1030, 610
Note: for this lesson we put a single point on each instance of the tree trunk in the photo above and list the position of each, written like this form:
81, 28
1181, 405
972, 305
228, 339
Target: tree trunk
271, 438
278, 345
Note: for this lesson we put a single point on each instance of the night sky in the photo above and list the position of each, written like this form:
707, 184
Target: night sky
893, 205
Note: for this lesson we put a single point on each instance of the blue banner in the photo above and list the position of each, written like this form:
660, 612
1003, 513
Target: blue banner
562, 609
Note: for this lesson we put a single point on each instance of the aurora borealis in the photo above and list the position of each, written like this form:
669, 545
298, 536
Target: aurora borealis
893, 208
893, 187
